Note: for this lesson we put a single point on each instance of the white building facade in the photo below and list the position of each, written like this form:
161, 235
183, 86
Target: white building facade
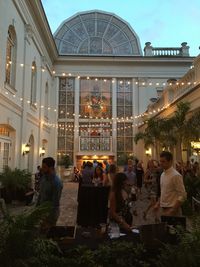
79, 93
106, 83
26, 87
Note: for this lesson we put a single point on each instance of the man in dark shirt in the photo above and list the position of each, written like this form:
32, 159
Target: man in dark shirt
50, 189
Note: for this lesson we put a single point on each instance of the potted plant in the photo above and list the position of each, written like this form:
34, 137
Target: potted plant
15, 183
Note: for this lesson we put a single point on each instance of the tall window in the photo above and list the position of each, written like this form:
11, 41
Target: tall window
124, 139
11, 51
65, 139
6, 154
124, 98
46, 99
95, 136
66, 98
33, 83
95, 98
5, 145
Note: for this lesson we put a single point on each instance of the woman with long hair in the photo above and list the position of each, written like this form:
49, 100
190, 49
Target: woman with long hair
109, 178
119, 202
98, 177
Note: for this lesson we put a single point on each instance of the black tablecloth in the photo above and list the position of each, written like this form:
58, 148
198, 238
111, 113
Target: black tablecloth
92, 205
94, 239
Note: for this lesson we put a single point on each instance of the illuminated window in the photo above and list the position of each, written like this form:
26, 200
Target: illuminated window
11, 51
124, 139
66, 98
95, 98
65, 139
4, 131
124, 98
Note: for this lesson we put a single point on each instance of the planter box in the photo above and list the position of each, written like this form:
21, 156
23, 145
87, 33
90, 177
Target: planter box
152, 235
62, 234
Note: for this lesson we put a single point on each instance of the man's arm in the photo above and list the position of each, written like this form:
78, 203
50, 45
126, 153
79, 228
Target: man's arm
181, 194
57, 190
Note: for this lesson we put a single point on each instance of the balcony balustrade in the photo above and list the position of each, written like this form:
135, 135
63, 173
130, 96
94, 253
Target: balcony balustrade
95, 143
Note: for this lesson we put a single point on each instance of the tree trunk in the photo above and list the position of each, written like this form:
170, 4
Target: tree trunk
179, 150
157, 150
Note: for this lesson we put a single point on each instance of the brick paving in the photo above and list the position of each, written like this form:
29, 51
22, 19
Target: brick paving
68, 206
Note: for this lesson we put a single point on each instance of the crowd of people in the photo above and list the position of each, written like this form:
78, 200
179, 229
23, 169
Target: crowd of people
162, 182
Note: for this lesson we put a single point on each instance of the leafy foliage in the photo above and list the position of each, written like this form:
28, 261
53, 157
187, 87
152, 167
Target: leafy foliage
19, 240
15, 179
121, 254
187, 253
65, 161
169, 132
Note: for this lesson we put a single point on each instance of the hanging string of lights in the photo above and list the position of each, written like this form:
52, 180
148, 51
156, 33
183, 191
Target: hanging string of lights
21, 100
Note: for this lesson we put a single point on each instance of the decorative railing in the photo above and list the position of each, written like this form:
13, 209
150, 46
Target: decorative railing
161, 51
95, 143
151, 51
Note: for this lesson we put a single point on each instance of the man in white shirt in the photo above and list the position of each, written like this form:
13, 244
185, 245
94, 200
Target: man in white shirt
173, 191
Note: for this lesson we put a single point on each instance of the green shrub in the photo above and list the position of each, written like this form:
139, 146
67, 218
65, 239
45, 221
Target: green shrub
20, 240
15, 181
186, 253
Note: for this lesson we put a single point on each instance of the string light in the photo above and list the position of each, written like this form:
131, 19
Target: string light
105, 80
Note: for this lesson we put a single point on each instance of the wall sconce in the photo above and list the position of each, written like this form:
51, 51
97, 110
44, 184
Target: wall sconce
42, 151
26, 149
148, 152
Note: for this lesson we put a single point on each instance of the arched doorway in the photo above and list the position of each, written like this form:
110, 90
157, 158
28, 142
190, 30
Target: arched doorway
31, 154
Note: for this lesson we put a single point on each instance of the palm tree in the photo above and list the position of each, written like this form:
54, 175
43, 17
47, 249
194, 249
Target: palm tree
152, 135
192, 132
180, 126
175, 131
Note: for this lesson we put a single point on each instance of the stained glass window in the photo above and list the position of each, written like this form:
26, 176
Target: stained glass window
95, 98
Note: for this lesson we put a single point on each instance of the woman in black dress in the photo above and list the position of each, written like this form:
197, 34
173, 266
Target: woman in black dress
139, 176
119, 202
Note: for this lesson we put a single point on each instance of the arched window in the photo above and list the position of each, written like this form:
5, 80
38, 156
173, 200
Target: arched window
11, 53
46, 103
33, 83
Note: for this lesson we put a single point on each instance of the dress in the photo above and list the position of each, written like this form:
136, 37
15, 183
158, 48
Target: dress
139, 177
123, 209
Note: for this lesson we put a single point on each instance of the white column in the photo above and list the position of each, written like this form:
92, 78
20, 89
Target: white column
54, 101
39, 143
135, 88
23, 135
76, 118
114, 116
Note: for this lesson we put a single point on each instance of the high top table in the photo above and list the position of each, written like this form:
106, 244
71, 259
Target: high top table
92, 205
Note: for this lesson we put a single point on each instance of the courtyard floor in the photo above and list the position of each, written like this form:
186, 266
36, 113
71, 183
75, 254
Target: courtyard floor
68, 206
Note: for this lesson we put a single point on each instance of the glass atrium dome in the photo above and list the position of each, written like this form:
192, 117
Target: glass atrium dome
97, 33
